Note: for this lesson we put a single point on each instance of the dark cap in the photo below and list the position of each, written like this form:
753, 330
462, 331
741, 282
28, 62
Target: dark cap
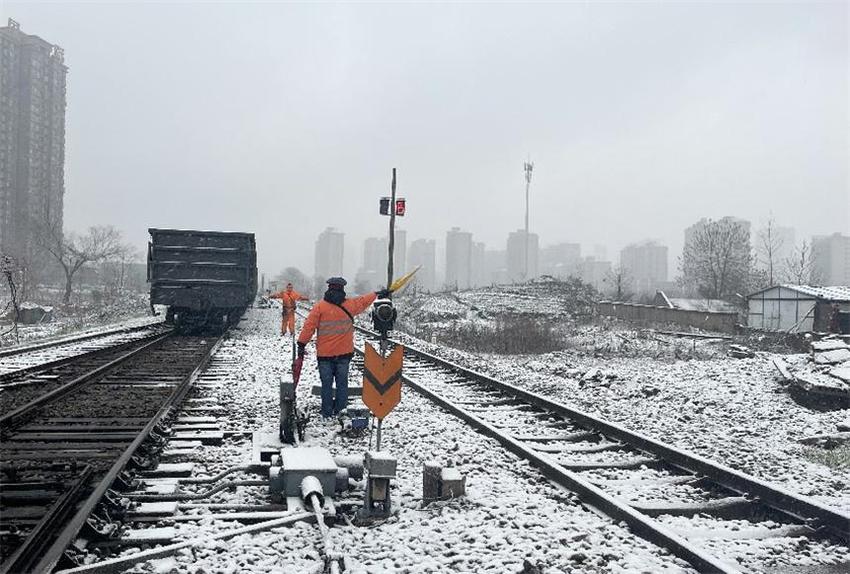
337, 281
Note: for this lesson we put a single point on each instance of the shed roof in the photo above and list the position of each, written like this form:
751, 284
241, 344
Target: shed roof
710, 305
827, 293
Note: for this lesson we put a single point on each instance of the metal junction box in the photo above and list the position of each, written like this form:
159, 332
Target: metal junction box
298, 463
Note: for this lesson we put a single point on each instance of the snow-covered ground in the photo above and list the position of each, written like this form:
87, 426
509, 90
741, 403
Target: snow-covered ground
731, 410
510, 514
132, 311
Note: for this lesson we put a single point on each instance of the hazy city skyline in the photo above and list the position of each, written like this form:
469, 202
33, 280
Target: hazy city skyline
639, 121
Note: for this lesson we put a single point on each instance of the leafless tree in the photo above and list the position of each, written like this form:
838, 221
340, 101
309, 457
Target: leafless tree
300, 281
799, 266
717, 260
619, 282
769, 245
125, 254
8, 268
73, 251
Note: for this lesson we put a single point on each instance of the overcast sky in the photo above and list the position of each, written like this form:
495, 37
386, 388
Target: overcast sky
283, 119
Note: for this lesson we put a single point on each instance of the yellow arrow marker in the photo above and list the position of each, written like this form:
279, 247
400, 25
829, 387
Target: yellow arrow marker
403, 280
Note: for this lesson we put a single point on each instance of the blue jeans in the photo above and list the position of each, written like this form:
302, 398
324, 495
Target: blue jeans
331, 369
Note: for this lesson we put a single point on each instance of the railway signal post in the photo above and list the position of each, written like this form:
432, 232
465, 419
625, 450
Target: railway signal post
382, 375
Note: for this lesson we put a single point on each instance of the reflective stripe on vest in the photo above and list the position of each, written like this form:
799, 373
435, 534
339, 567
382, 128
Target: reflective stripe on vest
335, 327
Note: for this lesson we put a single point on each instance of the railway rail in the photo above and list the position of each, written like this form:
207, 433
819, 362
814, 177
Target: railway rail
626, 475
66, 453
18, 362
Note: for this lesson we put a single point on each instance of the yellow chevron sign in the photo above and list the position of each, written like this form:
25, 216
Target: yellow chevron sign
382, 380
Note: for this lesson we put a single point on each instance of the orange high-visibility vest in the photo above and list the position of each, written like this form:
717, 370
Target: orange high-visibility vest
288, 299
334, 329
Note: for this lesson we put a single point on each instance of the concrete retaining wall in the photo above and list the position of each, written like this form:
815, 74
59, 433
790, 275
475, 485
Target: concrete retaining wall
708, 320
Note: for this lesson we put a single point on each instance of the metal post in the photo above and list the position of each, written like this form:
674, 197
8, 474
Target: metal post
378, 437
527, 167
392, 235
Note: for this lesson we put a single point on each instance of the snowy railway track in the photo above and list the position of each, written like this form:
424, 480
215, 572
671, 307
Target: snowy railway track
19, 362
701, 511
64, 454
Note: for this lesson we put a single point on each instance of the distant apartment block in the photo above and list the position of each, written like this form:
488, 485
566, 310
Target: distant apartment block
479, 265
742, 223
560, 260
645, 265
458, 259
32, 137
831, 259
424, 252
596, 273
373, 268
519, 248
495, 266
329, 253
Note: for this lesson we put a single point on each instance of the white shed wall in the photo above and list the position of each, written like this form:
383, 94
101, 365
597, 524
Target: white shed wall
780, 309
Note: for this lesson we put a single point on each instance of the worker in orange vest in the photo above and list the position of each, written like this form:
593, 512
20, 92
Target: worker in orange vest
332, 319
288, 298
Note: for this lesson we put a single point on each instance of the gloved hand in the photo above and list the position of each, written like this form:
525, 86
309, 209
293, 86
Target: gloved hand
383, 293
301, 349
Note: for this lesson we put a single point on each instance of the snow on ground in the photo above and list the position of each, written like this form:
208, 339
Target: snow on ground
731, 410
133, 311
510, 513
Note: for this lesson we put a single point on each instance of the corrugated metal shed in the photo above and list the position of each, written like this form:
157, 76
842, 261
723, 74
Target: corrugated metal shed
796, 308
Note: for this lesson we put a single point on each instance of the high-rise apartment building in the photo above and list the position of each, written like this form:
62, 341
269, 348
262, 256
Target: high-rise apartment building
329, 253
32, 139
373, 268
831, 259
645, 265
458, 259
424, 252
478, 265
518, 249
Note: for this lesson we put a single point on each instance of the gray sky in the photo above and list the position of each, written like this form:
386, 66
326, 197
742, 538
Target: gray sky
283, 119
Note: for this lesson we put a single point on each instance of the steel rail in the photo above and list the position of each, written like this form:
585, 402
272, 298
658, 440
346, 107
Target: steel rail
21, 349
29, 552
797, 505
54, 553
70, 359
640, 524
18, 415
809, 511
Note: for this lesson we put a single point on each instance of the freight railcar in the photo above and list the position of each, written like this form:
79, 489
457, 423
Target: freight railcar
206, 278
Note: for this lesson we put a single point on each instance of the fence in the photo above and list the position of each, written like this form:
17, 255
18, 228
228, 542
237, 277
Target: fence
708, 320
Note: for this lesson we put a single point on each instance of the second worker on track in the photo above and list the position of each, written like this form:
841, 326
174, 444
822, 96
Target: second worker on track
288, 299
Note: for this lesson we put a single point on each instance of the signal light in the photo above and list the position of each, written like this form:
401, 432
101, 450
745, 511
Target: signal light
400, 206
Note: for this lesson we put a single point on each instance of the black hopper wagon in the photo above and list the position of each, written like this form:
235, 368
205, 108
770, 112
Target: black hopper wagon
206, 278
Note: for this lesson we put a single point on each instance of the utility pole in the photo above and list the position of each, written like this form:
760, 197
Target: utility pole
392, 235
527, 168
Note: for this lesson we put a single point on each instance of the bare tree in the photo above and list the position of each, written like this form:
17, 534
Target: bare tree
73, 251
717, 259
300, 281
769, 245
124, 256
8, 268
619, 281
799, 266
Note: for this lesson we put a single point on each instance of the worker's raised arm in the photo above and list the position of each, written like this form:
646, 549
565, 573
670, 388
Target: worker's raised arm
278, 295
359, 304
